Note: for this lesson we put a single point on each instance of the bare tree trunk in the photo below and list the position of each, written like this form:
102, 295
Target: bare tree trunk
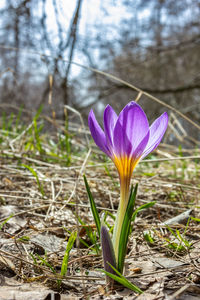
71, 40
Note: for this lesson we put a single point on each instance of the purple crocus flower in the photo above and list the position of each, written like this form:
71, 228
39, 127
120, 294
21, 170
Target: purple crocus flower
126, 139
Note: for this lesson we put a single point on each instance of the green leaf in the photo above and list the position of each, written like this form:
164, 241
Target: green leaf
44, 261
24, 239
172, 232
195, 219
4, 222
148, 237
92, 236
126, 228
122, 280
93, 206
34, 173
64, 266
70, 244
144, 206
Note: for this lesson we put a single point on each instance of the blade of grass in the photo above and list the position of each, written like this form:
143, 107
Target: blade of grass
144, 206
45, 262
122, 280
93, 206
4, 222
70, 244
34, 173
37, 131
10, 121
92, 236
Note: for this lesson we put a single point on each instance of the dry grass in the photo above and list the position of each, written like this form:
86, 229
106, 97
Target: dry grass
33, 240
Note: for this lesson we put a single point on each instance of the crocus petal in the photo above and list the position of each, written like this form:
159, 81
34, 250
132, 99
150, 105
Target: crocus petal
157, 130
110, 118
122, 146
138, 152
130, 129
97, 133
126, 165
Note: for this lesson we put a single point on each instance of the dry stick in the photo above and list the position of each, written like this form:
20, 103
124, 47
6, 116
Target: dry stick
138, 97
53, 200
48, 271
142, 92
150, 160
158, 272
5, 71
80, 173
26, 211
112, 77
179, 292
168, 183
96, 165
54, 197
177, 122
19, 136
74, 204
15, 155
15, 197
175, 131
182, 218
39, 162
82, 122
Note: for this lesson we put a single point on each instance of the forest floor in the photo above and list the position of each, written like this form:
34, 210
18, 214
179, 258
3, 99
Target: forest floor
44, 204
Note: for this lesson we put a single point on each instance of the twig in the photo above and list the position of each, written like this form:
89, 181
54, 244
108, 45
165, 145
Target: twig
180, 219
20, 135
77, 180
179, 292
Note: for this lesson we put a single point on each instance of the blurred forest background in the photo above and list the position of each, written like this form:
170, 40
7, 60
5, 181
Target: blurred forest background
152, 44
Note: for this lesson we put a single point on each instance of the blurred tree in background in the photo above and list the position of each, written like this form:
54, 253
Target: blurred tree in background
154, 45
158, 53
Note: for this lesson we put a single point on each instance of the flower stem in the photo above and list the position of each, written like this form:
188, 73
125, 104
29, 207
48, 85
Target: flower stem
124, 196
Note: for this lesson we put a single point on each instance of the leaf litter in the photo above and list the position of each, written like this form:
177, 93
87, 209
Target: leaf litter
39, 213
